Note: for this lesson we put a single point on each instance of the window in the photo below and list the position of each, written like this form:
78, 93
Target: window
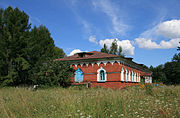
122, 74
129, 76
132, 76
137, 78
101, 75
126, 75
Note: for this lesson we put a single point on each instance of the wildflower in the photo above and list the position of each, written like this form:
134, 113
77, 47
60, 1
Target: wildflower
78, 110
89, 116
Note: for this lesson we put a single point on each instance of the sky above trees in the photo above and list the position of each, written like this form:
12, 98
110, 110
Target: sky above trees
148, 31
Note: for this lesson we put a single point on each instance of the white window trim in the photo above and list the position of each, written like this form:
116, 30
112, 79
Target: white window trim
129, 76
122, 74
126, 75
98, 77
132, 76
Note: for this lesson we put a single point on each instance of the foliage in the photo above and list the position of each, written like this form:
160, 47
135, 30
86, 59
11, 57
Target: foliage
114, 49
54, 73
169, 73
158, 74
23, 50
105, 49
172, 70
90, 103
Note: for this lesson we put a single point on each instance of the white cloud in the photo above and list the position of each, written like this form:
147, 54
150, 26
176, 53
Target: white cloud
149, 44
111, 10
127, 47
74, 52
93, 39
169, 29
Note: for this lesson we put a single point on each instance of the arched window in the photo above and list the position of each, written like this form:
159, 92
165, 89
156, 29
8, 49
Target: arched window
101, 75
132, 76
126, 75
129, 76
137, 78
122, 74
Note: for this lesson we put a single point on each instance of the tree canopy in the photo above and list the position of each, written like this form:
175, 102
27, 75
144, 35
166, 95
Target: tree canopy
114, 49
23, 50
169, 73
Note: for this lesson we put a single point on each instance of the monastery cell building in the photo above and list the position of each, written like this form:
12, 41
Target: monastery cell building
106, 70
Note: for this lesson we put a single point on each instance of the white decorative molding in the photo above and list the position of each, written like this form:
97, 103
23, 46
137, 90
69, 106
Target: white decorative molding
98, 63
134, 76
129, 76
139, 77
122, 74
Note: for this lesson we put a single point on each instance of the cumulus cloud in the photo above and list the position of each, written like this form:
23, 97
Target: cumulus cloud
74, 52
127, 47
93, 39
149, 44
170, 30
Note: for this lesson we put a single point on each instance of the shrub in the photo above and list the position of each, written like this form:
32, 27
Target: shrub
54, 73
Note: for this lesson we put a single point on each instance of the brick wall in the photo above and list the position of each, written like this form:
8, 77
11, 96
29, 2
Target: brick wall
113, 74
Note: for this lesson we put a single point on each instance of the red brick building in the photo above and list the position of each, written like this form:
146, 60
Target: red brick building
106, 70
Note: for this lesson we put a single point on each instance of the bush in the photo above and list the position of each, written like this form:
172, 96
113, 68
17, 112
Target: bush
54, 73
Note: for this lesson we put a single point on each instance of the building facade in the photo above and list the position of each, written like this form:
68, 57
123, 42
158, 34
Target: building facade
106, 70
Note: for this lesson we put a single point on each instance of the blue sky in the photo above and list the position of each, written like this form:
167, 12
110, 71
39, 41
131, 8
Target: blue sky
147, 30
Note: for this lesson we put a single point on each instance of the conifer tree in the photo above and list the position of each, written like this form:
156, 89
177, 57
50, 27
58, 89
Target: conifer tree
114, 47
105, 49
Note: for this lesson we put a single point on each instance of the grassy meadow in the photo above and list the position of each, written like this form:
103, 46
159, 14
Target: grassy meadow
74, 102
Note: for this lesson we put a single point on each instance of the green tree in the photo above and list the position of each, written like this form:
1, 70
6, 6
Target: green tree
58, 53
158, 74
114, 47
23, 51
54, 73
172, 70
41, 49
15, 26
105, 49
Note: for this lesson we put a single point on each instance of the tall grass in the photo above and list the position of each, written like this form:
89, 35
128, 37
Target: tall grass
131, 102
